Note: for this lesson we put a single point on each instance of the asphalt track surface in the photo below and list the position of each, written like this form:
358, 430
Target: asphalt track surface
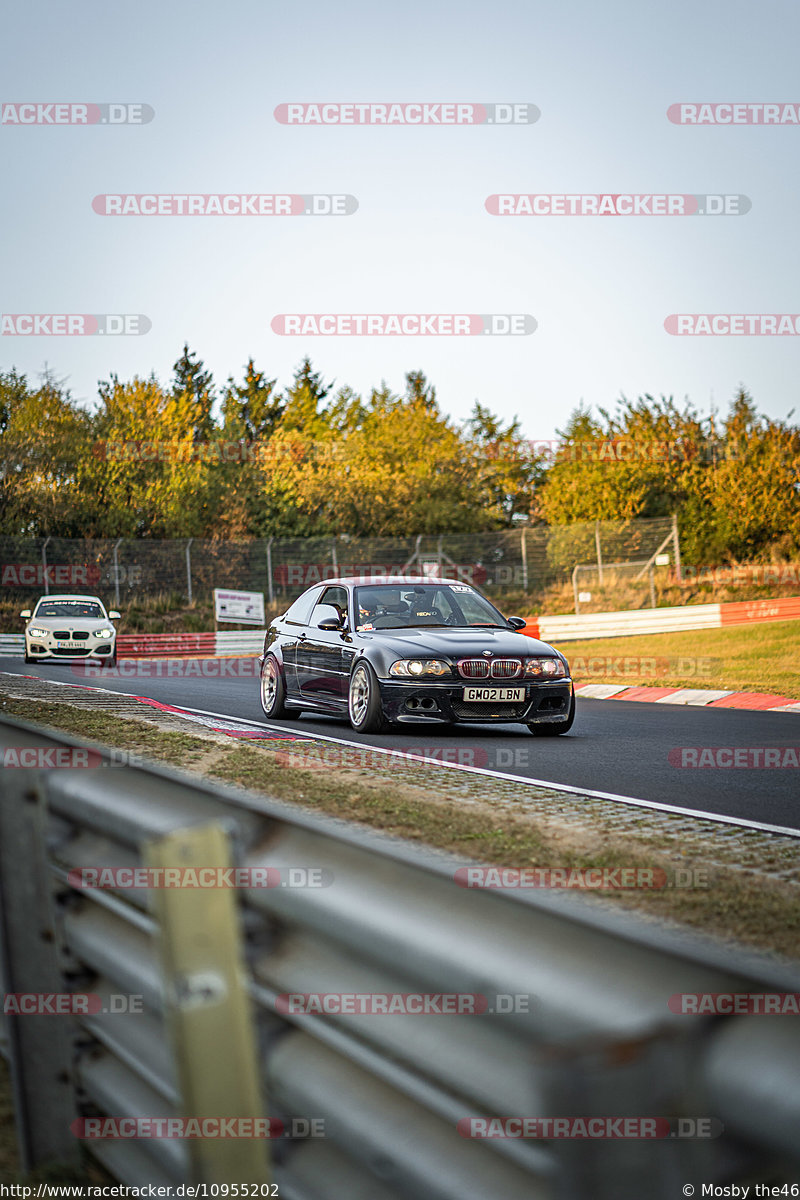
615, 746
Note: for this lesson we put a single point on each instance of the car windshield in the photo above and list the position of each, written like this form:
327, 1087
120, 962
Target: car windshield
455, 605
70, 608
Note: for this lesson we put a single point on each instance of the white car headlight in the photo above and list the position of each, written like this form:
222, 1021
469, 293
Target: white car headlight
419, 666
35, 631
104, 633
548, 668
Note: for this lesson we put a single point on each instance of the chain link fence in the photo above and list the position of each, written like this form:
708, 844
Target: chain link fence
525, 560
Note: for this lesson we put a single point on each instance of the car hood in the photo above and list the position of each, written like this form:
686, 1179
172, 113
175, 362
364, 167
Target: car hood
74, 624
456, 643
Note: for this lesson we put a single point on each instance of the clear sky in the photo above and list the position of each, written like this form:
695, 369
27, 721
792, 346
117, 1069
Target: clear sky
603, 76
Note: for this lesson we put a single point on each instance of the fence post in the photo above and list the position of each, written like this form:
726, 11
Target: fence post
270, 592
44, 565
677, 545
209, 1011
189, 568
652, 587
116, 573
524, 545
334, 559
575, 589
599, 555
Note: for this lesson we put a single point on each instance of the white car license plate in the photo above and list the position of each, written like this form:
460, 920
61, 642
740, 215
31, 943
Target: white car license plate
70, 645
494, 695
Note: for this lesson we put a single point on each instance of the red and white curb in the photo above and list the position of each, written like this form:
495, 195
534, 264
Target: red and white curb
698, 697
234, 729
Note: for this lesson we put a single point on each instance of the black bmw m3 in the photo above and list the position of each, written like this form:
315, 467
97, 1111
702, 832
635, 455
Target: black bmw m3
392, 651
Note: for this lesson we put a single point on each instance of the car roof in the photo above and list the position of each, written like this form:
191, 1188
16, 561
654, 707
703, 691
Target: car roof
69, 596
376, 580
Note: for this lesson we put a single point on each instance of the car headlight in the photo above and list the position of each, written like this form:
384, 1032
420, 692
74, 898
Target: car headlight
413, 667
104, 633
545, 668
35, 631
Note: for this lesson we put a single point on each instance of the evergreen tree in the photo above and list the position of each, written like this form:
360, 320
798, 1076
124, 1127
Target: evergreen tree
419, 391
252, 409
303, 398
193, 389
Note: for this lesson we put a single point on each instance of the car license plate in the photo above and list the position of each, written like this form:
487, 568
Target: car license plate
70, 646
494, 694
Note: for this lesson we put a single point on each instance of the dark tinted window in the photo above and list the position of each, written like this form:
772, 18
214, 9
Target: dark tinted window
300, 611
386, 606
70, 608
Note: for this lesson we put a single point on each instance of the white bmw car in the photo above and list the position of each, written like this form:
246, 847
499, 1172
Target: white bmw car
70, 628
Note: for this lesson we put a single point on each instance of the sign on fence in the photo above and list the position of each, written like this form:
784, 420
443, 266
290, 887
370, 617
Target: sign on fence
244, 607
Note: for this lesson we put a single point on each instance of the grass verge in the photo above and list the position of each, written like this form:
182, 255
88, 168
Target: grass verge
746, 658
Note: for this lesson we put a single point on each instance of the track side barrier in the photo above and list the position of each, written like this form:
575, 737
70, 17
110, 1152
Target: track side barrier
571, 627
578, 1016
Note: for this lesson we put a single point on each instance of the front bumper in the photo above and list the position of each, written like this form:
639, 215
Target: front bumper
442, 702
47, 648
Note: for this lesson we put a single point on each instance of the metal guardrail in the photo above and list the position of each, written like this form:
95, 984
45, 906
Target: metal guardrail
598, 1037
164, 645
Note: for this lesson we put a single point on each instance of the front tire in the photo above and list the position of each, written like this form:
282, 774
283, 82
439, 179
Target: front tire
273, 691
364, 700
556, 728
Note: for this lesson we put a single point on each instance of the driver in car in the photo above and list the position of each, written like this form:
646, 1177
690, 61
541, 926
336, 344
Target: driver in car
367, 611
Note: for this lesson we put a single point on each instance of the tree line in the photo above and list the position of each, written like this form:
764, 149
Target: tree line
249, 459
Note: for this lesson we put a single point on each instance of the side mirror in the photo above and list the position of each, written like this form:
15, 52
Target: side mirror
517, 622
26, 612
327, 617
114, 615
330, 624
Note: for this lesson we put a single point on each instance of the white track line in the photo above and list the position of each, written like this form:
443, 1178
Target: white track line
428, 762
562, 787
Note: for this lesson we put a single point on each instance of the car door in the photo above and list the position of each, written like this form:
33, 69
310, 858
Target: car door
293, 631
320, 666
